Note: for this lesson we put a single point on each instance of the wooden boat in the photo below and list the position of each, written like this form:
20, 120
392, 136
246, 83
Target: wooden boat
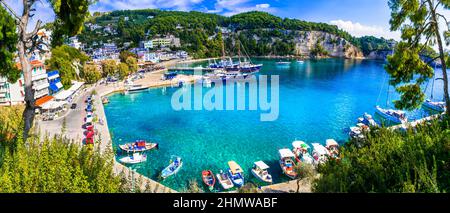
320, 153
301, 151
135, 158
438, 106
236, 173
209, 179
333, 148
224, 180
138, 146
287, 163
259, 170
395, 116
173, 168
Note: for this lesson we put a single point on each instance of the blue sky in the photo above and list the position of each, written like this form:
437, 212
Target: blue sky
358, 17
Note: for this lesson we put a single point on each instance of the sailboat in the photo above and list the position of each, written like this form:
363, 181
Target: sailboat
438, 106
392, 115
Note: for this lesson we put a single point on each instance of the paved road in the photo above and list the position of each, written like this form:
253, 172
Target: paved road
74, 120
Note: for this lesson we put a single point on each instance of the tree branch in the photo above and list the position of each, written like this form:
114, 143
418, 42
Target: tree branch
35, 31
433, 59
11, 11
445, 19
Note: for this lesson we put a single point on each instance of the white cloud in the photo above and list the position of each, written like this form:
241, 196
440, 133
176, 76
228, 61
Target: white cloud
108, 5
263, 6
233, 7
357, 29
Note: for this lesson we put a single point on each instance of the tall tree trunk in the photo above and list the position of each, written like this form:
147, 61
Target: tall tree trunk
441, 56
28, 113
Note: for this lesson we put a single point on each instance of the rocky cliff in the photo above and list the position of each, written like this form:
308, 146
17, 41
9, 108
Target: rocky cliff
305, 41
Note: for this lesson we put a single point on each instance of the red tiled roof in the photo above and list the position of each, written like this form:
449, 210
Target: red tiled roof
34, 63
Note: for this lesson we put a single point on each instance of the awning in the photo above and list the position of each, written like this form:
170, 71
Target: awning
286, 153
53, 87
261, 165
41, 101
64, 94
321, 150
53, 105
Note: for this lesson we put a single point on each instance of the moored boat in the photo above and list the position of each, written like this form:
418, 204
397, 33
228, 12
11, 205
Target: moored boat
320, 153
260, 171
236, 173
287, 162
301, 151
138, 146
395, 116
135, 88
173, 168
224, 180
438, 106
209, 179
135, 158
333, 148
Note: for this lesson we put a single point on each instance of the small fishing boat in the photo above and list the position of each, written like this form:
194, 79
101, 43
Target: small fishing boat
320, 153
395, 116
333, 148
209, 179
287, 163
135, 158
236, 173
438, 106
138, 146
301, 151
224, 180
173, 168
259, 170
300, 61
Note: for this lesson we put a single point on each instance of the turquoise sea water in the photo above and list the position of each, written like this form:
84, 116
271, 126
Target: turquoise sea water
319, 99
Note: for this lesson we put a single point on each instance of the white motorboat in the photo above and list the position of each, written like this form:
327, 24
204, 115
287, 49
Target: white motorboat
260, 171
173, 167
224, 180
287, 163
135, 88
320, 153
236, 173
395, 116
135, 158
333, 148
138, 146
438, 106
301, 151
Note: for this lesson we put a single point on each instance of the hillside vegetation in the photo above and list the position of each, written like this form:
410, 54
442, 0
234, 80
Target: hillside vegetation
200, 33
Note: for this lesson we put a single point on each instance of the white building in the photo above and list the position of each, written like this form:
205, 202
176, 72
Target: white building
146, 44
151, 57
12, 93
74, 43
39, 78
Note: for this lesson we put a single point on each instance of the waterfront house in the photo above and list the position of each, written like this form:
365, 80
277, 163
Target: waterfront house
39, 78
12, 93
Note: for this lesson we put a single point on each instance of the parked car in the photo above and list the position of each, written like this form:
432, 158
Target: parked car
73, 106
